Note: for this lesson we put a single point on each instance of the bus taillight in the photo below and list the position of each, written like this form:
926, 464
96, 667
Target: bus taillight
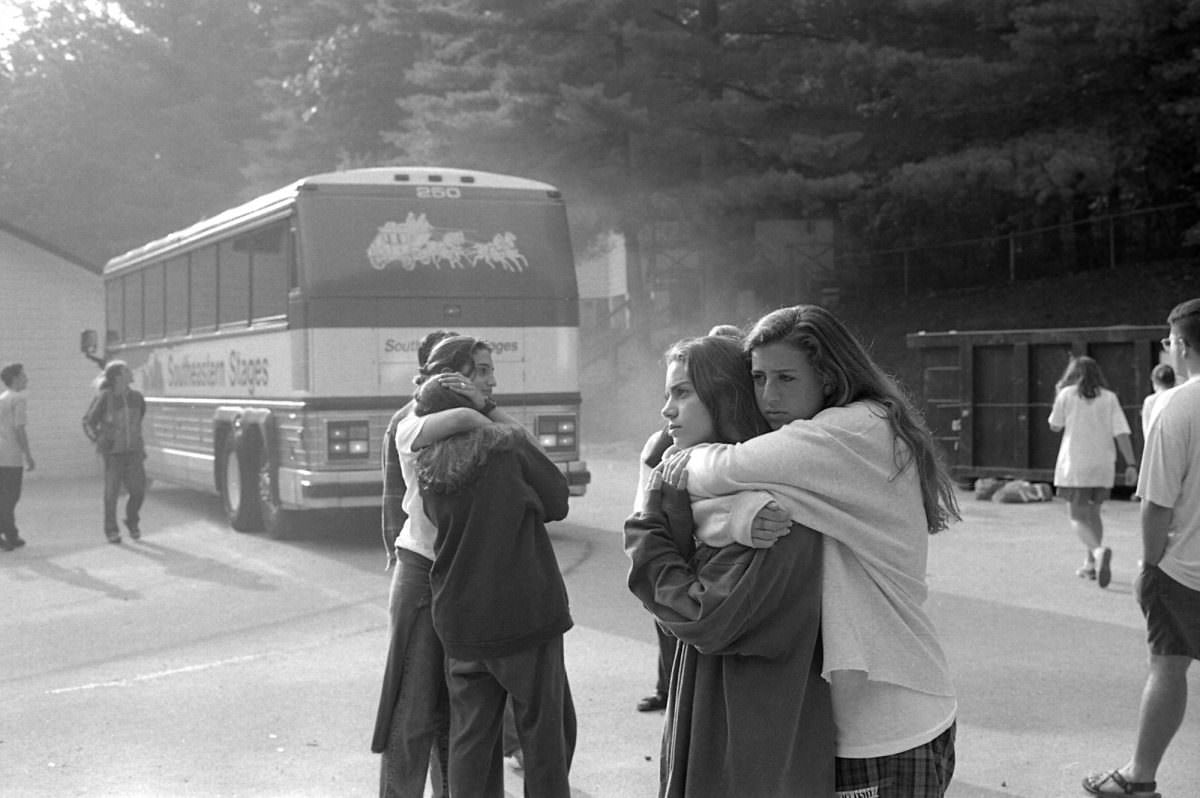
556, 434
348, 440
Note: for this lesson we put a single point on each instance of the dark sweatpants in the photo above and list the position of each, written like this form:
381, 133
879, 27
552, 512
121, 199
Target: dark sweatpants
11, 478
536, 681
123, 468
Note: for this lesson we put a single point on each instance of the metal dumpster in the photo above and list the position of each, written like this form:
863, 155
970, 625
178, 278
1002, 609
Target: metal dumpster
987, 394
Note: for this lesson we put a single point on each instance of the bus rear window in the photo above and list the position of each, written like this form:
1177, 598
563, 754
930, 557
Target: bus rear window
402, 246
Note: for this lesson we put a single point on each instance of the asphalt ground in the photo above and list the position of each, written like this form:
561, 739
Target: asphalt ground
1048, 667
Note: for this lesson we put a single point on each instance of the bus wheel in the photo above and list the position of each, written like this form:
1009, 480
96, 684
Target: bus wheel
239, 497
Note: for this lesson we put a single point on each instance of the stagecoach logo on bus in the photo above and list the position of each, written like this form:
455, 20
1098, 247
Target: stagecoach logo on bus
415, 242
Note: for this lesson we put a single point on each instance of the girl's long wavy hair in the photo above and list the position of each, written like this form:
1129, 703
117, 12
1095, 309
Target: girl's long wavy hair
841, 361
1084, 373
449, 465
719, 370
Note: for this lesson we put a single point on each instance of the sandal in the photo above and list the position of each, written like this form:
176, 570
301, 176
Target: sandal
1113, 783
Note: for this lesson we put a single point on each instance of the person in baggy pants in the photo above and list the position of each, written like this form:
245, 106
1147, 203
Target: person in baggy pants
116, 419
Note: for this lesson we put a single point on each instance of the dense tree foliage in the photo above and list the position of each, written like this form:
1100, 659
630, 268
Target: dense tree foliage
119, 122
908, 121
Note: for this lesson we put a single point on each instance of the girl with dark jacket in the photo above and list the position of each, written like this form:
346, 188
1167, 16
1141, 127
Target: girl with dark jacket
499, 601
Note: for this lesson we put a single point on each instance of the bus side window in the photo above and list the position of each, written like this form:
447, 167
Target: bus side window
132, 326
114, 297
177, 295
153, 301
203, 293
269, 271
233, 267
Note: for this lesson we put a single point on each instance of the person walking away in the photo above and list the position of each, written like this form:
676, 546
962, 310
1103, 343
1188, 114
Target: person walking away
15, 455
1090, 417
1168, 586
849, 457
500, 605
1162, 378
116, 420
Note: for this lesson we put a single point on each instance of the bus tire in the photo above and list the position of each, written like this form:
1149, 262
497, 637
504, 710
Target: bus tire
239, 490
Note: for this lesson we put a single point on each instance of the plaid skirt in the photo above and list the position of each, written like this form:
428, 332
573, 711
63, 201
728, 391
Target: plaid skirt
921, 772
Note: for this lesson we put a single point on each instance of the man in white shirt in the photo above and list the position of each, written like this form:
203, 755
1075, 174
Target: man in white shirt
1168, 587
14, 452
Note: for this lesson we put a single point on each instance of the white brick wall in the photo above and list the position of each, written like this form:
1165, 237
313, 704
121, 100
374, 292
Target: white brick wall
45, 300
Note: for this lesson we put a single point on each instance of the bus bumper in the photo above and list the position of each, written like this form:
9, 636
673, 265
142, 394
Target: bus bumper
316, 490
578, 476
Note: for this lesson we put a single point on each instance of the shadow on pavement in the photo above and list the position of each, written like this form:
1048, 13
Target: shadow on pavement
78, 577
180, 563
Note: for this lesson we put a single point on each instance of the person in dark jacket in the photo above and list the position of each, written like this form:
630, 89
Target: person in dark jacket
115, 418
748, 714
500, 605
412, 723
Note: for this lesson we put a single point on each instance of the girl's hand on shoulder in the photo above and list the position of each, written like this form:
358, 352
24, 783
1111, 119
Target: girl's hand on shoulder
674, 468
771, 523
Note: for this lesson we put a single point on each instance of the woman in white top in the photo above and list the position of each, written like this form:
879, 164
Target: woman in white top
850, 458
1091, 419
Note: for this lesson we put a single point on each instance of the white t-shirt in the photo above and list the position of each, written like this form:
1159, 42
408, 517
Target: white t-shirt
1148, 412
12, 416
880, 719
1170, 477
1088, 454
419, 533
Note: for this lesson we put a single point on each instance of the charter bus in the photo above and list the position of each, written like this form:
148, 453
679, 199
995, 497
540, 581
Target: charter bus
274, 340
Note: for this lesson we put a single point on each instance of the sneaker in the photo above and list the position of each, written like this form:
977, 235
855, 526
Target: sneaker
1103, 566
1086, 572
113, 537
134, 531
16, 542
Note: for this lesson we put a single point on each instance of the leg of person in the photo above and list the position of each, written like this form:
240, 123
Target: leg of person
1102, 553
666, 655
921, 772
477, 702
420, 720
135, 483
511, 742
1172, 613
1164, 702
112, 487
545, 716
10, 494
1078, 513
